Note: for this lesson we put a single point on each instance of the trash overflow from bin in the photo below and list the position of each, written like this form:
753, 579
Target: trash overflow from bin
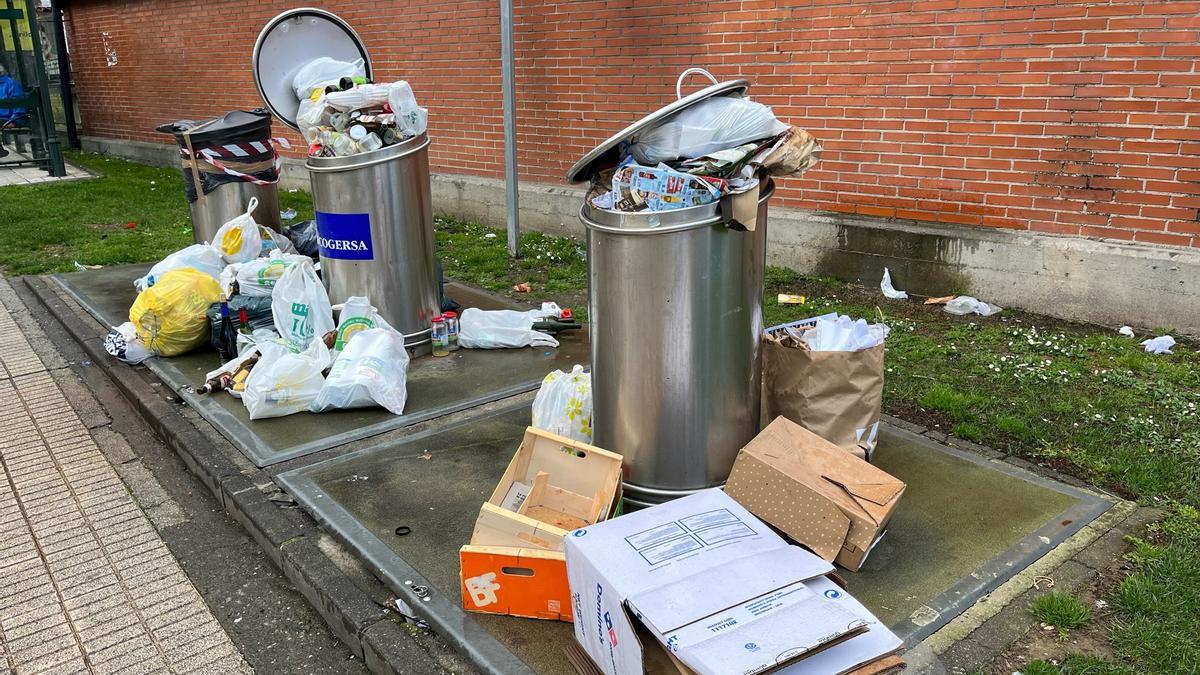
342, 113
265, 310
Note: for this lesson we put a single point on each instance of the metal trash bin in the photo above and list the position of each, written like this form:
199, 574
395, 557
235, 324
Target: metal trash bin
374, 210
675, 307
226, 161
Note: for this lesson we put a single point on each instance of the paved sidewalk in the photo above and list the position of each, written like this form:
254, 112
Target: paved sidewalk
86, 584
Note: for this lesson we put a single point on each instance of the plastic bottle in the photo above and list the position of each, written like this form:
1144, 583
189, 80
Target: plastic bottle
452, 329
439, 337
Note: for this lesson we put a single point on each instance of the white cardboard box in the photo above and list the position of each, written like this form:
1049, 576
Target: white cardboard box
715, 584
855, 652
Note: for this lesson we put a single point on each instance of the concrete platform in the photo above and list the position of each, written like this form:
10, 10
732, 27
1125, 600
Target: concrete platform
436, 386
966, 524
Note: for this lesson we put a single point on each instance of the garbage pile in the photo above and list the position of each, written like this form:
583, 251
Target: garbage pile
645, 589
715, 148
343, 113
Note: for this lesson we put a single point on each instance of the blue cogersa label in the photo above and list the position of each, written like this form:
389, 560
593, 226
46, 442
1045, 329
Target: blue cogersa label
345, 236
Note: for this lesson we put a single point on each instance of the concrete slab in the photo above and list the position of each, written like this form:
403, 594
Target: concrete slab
436, 386
965, 526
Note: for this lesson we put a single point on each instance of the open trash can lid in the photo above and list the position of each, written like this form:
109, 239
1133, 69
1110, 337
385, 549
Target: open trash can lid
291, 40
606, 153
232, 127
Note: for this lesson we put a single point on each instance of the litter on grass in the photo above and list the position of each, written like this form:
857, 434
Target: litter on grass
889, 291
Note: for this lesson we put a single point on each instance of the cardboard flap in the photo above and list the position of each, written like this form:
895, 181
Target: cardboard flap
876, 493
671, 606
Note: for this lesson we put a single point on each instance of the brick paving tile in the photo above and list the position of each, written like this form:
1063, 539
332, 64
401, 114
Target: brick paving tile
88, 586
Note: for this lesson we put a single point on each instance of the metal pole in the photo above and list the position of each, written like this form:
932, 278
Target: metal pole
64, 73
508, 79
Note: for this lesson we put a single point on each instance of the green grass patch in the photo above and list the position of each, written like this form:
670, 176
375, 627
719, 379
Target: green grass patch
1061, 610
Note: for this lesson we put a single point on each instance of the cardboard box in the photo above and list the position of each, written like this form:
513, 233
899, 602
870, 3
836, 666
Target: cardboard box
514, 564
828, 500
707, 579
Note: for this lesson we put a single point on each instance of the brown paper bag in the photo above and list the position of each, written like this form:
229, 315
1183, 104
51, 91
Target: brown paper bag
835, 395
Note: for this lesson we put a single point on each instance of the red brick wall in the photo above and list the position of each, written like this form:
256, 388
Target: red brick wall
1064, 116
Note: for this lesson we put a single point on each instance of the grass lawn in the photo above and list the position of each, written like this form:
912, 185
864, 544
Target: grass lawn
1080, 398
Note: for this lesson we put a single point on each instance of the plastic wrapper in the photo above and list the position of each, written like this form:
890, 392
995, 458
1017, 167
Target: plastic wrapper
411, 119
504, 328
301, 305
282, 382
240, 239
357, 314
358, 97
708, 126
170, 316
123, 343
200, 257
563, 404
371, 371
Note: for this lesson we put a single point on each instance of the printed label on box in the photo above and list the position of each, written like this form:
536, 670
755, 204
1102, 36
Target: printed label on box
344, 236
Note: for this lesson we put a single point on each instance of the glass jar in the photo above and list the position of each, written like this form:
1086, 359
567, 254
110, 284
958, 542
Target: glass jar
452, 329
440, 337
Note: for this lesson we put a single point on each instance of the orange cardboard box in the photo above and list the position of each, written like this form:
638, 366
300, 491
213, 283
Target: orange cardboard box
514, 564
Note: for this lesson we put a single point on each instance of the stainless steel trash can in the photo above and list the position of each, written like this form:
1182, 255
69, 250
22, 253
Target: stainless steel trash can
374, 219
373, 210
675, 300
226, 161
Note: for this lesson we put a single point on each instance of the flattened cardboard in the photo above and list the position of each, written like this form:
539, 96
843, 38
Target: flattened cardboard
699, 538
791, 477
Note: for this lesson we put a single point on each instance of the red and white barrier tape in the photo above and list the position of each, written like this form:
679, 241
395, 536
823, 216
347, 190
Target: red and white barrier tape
210, 156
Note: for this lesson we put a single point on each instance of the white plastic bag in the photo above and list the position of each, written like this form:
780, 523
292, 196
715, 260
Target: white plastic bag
361, 96
890, 291
300, 305
124, 343
356, 314
247, 343
504, 328
708, 126
257, 278
200, 257
371, 371
1159, 345
564, 404
965, 304
310, 116
322, 72
240, 239
411, 119
283, 383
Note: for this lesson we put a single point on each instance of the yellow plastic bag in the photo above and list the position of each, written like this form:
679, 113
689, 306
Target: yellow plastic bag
170, 315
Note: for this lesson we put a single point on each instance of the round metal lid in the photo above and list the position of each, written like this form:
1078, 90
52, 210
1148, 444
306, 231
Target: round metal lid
606, 152
292, 39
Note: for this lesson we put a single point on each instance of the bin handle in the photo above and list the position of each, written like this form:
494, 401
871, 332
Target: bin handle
684, 75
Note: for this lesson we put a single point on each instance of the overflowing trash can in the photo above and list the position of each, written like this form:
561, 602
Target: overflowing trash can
368, 163
676, 257
227, 161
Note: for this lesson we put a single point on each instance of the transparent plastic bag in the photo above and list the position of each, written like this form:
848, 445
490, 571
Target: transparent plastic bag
322, 72
283, 383
708, 126
504, 328
564, 404
240, 239
411, 119
371, 371
171, 316
359, 97
200, 257
301, 305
